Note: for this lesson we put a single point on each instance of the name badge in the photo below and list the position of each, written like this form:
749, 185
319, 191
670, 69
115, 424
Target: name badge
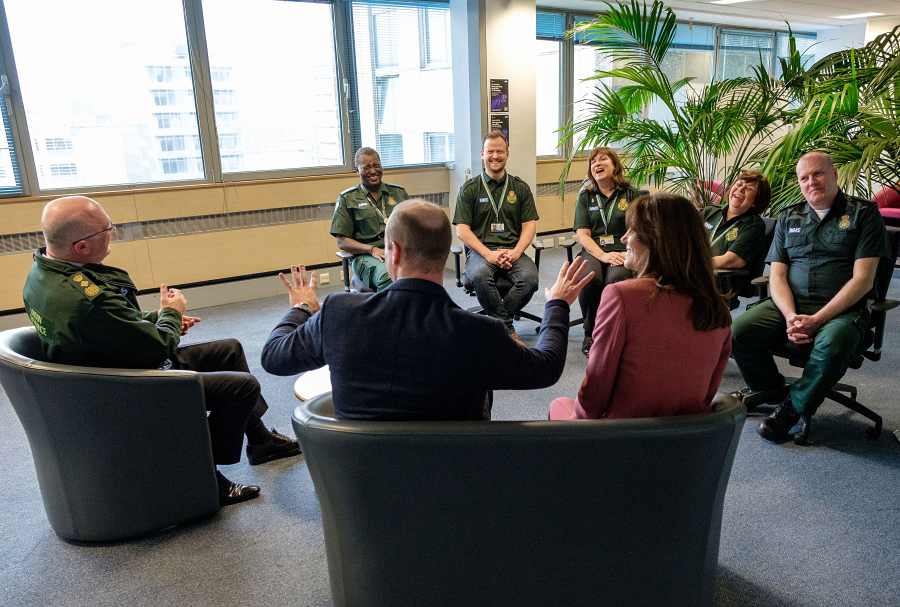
498, 228
708, 226
363, 205
483, 200
593, 208
794, 230
606, 239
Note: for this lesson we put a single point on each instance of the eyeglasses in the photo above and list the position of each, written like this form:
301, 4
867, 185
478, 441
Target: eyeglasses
109, 228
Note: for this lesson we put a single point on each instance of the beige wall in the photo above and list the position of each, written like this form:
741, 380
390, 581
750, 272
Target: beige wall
212, 255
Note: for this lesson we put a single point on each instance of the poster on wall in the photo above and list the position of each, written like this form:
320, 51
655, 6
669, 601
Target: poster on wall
499, 91
500, 122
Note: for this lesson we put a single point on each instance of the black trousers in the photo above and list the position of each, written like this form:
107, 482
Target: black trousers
589, 298
232, 393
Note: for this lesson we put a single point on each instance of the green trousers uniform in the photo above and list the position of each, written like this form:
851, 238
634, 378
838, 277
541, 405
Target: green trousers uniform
371, 271
763, 327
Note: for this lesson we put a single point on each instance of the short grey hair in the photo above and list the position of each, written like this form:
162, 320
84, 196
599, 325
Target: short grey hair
364, 151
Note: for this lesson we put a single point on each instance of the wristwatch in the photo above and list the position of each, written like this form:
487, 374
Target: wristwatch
304, 306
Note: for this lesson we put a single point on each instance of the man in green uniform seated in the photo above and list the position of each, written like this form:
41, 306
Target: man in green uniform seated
496, 219
360, 215
87, 313
824, 257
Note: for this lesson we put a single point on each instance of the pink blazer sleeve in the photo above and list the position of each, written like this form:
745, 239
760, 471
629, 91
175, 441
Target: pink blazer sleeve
596, 390
716, 378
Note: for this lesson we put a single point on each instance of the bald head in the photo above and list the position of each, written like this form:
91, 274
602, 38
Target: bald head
68, 219
818, 179
423, 232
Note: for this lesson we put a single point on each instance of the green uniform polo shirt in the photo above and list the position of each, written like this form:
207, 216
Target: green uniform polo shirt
473, 208
604, 216
744, 235
362, 217
89, 315
820, 254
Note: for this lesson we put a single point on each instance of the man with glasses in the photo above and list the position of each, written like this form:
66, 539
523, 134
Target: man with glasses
360, 215
87, 313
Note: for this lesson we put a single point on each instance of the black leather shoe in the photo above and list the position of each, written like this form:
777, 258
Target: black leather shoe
800, 431
586, 345
776, 427
754, 398
234, 493
277, 447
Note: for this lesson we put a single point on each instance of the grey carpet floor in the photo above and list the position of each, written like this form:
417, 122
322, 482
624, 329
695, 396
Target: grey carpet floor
816, 526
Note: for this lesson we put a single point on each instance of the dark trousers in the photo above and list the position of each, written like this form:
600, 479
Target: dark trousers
589, 298
523, 275
232, 394
762, 327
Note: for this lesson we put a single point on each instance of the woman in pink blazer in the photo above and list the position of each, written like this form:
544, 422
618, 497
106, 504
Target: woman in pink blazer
661, 340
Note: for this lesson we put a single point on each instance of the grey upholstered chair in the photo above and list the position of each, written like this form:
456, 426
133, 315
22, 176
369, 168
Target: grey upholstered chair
606, 512
118, 453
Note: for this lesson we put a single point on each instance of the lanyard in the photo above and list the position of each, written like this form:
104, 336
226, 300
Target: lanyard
378, 210
606, 218
494, 205
713, 241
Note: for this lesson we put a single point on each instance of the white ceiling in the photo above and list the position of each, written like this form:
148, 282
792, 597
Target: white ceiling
803, 15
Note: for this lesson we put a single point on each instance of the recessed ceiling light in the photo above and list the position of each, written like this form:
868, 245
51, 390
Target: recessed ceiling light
859, 16
729, 1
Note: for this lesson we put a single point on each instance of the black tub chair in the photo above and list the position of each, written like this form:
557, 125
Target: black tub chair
606, 512
119, 453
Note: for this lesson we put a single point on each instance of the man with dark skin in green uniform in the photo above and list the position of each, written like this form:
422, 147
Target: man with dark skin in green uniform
360, 214
87, 313
824, 257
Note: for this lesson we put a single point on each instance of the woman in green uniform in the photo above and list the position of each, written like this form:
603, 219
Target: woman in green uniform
737, 233
599, 226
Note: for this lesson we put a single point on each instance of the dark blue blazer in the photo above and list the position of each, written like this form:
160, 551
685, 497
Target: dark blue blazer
410, 353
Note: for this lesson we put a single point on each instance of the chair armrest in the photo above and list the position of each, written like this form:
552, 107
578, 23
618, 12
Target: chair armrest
760, 281
884, 306
729, 272
345, 258
344, 255
457, 260
568, 243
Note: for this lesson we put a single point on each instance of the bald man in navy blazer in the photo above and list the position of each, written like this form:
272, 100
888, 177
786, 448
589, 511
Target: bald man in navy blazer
409, 352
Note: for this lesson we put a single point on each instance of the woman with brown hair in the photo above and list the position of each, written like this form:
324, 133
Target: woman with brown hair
661, 340
599, 225
737, 234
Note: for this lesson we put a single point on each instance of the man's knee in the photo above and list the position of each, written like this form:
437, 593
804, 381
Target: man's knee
526, 272
838, 341
480, 272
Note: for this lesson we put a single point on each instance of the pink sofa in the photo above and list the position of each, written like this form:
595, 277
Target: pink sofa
888, 201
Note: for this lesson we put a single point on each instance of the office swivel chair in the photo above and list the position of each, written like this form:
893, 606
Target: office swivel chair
870, 347
726, 279
351, 282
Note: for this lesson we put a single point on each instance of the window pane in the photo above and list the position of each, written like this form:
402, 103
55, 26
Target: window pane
587, 62
10, 178
741, 50
683, 63
92, 108
404, 80
547, 97
272, 66
805, 45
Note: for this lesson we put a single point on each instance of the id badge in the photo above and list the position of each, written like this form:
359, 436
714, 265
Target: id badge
498, 228
606, 239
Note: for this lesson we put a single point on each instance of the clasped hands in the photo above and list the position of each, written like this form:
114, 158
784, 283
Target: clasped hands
802, 328
175, 299
503, 258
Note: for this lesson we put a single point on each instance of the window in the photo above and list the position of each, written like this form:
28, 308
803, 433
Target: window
110, 97
587, 62
63, 170
390, 147
404, 84
172, 143
547, 97
805, 44
741, 50
434, 37
228, 141
690, 56
438, 147
10, 178
172, 166
281, 98
57, 143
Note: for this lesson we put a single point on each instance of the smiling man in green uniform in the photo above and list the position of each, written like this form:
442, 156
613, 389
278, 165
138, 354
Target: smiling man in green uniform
87, 313
824, 257
496, 219
360, 214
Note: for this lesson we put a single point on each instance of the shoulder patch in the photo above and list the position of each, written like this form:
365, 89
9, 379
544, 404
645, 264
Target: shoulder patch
85, 285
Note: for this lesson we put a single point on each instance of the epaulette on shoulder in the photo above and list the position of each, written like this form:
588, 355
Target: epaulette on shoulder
395, 186
349, 190
85, 285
